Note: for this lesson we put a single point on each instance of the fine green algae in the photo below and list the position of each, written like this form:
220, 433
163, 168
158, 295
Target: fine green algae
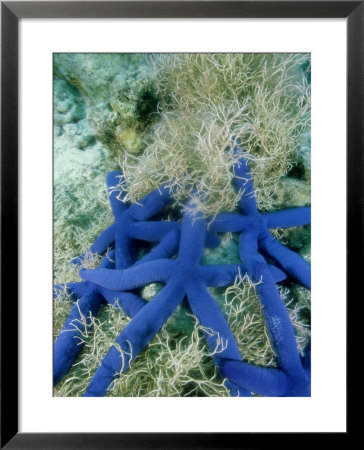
207, 101
173, 118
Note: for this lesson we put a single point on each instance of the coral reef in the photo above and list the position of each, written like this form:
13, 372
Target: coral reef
80, 164
186, 277
130, 224
207, 100
289, 378
182, 276
110, 107
119, 93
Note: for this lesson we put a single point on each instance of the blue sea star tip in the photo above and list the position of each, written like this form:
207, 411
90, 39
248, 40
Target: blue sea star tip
185, 277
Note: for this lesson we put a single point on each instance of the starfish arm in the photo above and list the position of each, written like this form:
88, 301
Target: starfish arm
116, 197
230, 222
293, 217
108, 261
248, 246
244, 183
236, 390
292, 263
306, 358
156, 231
277, 273
219, 337
105, 239
211, 240
167, 247
151, 204
135, 337
68, 344
102, 242
152, 231
271, 381
306, 364
219, 275
130, 303
225, 274
278, 323
121, 280
192, 240
263, 381
280, 328
79, 288
125, 254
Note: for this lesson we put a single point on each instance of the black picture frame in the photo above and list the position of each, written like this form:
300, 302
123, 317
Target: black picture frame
11, 12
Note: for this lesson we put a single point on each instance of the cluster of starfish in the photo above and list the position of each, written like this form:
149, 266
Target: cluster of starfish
175, 262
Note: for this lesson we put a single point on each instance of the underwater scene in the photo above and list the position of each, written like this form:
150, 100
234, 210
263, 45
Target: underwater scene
182, 225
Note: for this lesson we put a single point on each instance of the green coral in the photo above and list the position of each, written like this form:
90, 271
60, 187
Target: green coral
119, 93
207, 101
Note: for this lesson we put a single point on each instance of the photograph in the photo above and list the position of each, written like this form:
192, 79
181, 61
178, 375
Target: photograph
181, 199
181, 224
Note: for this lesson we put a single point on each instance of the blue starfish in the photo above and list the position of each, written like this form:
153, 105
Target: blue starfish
289, 379
68, 344
184, 276
91, 297
130, 223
